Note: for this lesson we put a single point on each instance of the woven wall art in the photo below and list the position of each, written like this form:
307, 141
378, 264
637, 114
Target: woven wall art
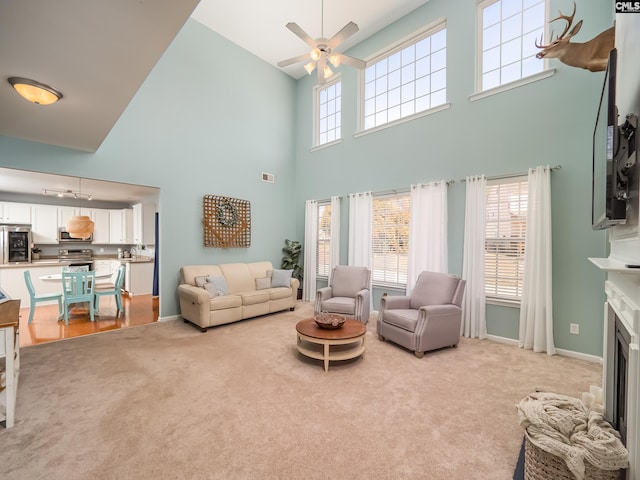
226, 222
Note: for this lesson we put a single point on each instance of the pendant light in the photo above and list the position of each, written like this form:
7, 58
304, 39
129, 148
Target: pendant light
80, 226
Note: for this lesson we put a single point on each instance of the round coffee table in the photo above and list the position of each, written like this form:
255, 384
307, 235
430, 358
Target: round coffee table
348, 340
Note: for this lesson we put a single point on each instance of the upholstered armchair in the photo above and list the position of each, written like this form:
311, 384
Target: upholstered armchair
347, 294
428, 319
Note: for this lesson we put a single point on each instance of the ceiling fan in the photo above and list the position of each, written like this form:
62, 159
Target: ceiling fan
322, 50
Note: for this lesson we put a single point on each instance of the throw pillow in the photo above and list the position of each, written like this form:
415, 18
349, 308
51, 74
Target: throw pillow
219, 282
200, 281
262, 283
211, 289
281, 278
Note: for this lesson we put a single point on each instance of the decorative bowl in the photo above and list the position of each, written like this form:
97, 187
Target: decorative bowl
329, 321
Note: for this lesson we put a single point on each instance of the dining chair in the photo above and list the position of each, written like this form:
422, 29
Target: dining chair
111, 288
78, 287
42, 297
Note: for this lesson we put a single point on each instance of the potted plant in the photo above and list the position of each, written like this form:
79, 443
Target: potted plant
35, 253
292, 251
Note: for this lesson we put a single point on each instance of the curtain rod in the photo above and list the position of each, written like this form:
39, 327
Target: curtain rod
394, 191
512, 175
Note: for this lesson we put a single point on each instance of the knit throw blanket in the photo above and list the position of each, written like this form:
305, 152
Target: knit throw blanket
563, 426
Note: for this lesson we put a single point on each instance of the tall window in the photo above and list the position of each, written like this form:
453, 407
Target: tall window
324, 240
390, 242
329, 110
505, 238
409, 79
508, 31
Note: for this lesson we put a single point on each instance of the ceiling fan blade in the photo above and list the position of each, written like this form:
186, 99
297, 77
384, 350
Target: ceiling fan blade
348, 30
352, 61
291, 61
301, 33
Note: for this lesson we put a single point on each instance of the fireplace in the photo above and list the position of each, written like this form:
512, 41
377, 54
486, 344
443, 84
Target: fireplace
618, 410
621, 356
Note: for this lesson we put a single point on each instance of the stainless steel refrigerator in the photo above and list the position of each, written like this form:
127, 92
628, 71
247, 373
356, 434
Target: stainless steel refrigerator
15, 244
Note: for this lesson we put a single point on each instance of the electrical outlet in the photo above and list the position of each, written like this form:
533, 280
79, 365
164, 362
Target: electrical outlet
574, 328
101, 250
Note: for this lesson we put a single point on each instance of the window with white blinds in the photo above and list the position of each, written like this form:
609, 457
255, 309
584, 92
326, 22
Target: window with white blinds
324, 240
390, 239
505, 238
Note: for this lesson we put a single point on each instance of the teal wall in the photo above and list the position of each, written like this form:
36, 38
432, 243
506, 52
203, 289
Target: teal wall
209, 119
546, 122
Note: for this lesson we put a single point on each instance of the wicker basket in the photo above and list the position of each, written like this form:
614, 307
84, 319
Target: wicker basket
541, 465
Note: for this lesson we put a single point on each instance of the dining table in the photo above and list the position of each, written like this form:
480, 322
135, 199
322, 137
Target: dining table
57, 277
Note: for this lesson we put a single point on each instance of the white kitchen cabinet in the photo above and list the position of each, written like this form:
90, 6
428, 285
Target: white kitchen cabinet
100, 217
44, 224
144, 224
105, 266
65, 213
19, 213
121, 226
138, 278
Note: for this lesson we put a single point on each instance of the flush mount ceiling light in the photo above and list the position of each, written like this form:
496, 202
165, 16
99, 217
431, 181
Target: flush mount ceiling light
35, 92
321, 53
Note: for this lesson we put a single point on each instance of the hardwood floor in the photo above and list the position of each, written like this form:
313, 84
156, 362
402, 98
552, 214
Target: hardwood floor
138, 310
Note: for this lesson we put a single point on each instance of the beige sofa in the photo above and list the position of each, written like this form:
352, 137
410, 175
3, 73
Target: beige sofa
245, 297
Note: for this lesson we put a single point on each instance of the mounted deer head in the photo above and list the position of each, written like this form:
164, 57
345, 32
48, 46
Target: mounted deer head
591, 55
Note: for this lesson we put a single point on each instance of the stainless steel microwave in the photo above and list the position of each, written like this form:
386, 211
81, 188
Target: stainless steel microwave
64, 237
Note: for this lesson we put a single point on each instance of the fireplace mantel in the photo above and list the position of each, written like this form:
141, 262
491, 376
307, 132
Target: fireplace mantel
622, 288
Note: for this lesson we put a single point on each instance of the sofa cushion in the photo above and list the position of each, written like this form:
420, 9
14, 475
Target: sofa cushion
225, 301
263, 283
219, 283
252, 298
238, 276
190, 272
281, 278
279, 293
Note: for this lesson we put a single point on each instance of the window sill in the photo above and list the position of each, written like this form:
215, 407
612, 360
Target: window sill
325, 145
402, 120
515, 84
503, 302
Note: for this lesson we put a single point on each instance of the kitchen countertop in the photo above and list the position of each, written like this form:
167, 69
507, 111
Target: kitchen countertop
49, 261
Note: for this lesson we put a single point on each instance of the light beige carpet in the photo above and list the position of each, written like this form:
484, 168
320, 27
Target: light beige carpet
164, 401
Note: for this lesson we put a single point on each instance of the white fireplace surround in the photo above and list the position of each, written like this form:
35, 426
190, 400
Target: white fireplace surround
623, 296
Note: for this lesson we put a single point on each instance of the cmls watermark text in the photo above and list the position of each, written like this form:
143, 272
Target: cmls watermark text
627, 7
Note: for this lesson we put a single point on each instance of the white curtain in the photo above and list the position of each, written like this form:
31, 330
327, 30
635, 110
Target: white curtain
427, 231
474, 322
360, 218
536, 308
334, 253
360, 225
310, 247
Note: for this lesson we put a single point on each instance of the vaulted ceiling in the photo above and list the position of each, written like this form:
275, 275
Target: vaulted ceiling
99, 52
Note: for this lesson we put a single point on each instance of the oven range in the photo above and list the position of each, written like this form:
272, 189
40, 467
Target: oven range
79, 257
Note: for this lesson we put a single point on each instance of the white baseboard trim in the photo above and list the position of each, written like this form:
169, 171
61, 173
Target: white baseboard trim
168, 319
560, 351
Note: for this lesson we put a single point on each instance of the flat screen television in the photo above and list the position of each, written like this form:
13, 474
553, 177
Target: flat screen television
609, 205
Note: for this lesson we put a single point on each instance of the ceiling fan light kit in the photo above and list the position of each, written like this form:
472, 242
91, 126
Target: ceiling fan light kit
322, 51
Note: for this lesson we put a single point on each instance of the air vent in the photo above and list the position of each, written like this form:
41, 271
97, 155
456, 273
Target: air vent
268, 177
